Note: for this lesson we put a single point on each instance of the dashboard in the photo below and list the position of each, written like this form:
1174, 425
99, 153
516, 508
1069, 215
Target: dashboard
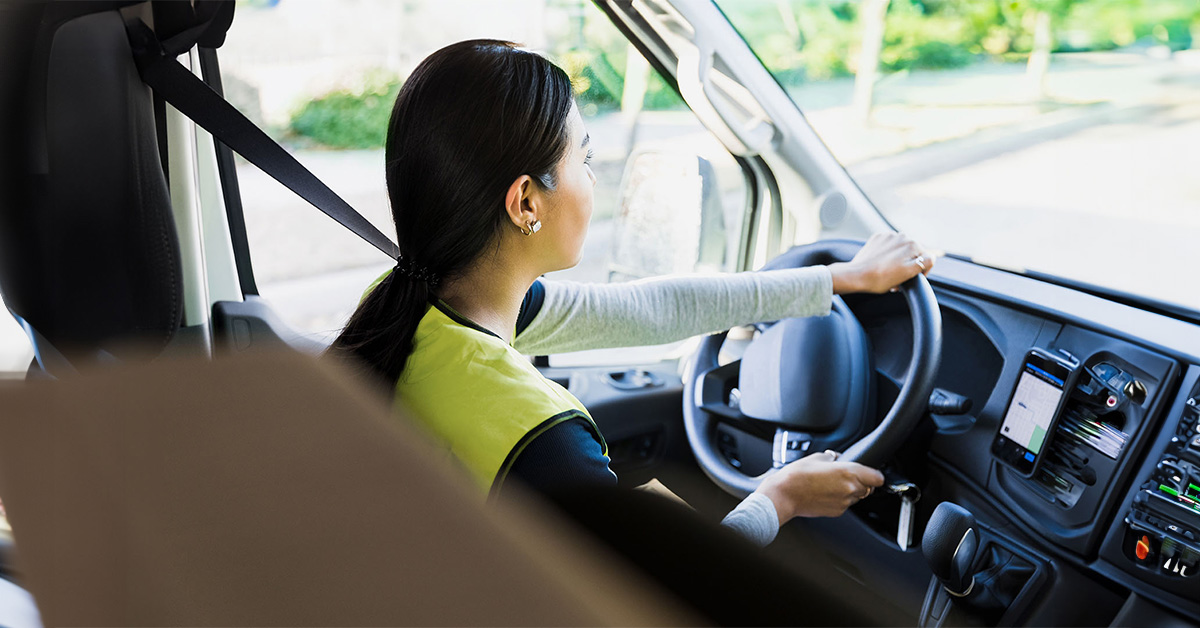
1113, 508
1105, 531
1118, 493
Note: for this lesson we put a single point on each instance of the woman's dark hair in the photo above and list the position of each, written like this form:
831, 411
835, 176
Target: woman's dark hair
470, 119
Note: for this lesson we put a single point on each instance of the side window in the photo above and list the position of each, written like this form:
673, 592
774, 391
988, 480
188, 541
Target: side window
322, 76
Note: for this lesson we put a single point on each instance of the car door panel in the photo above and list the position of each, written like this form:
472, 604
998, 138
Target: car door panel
641, 421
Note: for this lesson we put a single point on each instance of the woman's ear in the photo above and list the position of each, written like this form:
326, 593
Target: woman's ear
522, 202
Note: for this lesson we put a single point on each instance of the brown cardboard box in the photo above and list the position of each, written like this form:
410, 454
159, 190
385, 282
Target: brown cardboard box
274, 490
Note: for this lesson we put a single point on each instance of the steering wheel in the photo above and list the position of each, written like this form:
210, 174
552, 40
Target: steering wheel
812, 380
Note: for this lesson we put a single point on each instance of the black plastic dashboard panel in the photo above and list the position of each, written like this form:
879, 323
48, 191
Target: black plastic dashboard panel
981, 339
1119, 552
1011, 333
969, 336
1077, 485
1153, 331
1090, 528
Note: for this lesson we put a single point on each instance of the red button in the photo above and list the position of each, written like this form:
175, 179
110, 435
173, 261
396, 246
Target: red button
1143, 548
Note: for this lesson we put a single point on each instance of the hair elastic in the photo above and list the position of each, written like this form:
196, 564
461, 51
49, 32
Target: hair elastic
411, 269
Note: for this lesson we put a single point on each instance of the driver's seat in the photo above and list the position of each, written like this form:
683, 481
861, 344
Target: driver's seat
91, 259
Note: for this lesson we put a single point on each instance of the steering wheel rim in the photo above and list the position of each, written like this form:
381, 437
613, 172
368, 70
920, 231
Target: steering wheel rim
877, 446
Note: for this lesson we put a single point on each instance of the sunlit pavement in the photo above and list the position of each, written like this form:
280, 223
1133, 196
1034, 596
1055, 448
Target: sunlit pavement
1104, 193
1116, 205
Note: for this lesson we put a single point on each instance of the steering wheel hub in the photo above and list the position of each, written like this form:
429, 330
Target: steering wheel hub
808, 373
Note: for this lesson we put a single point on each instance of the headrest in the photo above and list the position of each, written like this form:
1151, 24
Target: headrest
181, 25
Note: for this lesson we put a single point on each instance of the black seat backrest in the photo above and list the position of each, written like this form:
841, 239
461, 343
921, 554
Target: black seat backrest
90, 255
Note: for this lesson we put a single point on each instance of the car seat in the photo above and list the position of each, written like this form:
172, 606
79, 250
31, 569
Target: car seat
90, 256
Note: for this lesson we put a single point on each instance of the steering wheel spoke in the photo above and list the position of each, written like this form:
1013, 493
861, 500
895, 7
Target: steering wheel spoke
718, 392
719, 396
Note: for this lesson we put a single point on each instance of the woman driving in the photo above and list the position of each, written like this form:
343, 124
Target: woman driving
487, 166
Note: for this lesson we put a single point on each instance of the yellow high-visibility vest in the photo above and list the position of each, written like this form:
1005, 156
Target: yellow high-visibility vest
479, 397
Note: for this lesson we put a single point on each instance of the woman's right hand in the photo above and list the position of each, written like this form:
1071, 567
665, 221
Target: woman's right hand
818, 485
884, 262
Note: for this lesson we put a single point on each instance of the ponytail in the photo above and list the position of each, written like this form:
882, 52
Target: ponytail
380, 332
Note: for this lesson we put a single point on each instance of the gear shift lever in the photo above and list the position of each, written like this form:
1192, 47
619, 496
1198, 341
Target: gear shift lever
949, 544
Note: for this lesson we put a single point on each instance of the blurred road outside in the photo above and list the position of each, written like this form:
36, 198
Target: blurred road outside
959, 158
1097, 182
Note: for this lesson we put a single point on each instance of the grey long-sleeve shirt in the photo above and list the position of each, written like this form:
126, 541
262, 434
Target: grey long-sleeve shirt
573, 316
577, 316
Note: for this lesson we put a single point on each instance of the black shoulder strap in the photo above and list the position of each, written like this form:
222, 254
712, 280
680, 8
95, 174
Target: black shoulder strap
196, 100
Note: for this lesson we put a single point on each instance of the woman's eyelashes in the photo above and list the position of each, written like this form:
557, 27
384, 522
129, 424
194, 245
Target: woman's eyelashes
587, 160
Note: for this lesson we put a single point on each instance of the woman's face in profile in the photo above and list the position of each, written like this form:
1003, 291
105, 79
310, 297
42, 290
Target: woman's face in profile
570, 204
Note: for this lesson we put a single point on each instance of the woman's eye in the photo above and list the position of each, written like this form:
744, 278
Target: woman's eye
587, 161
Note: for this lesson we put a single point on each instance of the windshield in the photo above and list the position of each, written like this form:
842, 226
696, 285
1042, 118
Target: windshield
1057, 136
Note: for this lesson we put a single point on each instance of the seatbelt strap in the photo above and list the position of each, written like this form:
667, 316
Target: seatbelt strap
196, 100
230, 190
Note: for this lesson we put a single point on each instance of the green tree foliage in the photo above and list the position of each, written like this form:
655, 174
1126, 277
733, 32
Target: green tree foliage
934, 35
1108, 24
349, 118
810, 40
598, 77
802, 41
594, 54
799, 41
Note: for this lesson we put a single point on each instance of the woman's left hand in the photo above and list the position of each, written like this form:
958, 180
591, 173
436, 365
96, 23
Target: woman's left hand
884, 262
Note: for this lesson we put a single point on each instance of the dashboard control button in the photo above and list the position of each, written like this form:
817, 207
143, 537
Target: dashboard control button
1170, 554
1135, 390
1185, 563
1142, 550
